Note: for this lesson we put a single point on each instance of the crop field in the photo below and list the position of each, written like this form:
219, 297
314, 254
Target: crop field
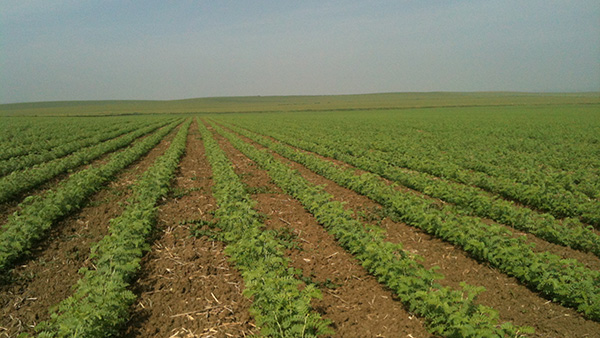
437, 221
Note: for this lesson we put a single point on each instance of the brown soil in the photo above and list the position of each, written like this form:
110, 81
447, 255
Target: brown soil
513, 301
47, 276
186, 287
353, 300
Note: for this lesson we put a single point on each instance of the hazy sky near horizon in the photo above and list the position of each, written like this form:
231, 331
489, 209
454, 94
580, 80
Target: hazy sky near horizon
91, 50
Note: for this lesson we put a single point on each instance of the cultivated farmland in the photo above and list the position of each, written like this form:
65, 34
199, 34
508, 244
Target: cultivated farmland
474, 221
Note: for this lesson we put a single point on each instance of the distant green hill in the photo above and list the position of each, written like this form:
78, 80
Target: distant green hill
296, 103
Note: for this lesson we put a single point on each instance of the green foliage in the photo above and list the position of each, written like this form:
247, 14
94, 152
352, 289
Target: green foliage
259, 190
564, 281
546, 158
100, 303
286, 237
83, 138
448, 312
25, 136
201, 228
280, 305
20, 181
39, 212
468, 199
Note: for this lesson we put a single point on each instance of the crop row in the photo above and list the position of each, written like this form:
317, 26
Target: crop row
537, 150
448, 312
20, 181
564, 280
102, 297
24, 136
280, 307
551, 198
416, 151
21, 162
569, 232
37, 213
578, 180
530, 160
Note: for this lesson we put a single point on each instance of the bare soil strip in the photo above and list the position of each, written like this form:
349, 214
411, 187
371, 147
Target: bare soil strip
514, 302
353, 300
186, 287
51, 270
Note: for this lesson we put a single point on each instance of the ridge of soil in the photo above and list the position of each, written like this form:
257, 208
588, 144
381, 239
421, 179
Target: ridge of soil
46, 277
514, 301
186, 287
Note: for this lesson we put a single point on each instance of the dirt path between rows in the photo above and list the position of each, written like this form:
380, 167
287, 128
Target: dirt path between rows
46, 278
353, 300
186, 287
513, 301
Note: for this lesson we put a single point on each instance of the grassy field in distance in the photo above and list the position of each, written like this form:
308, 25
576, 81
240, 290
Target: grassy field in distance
297, 103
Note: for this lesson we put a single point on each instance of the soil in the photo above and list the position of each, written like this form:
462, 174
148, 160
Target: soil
513, 301
46, 277
353, 300
186, 287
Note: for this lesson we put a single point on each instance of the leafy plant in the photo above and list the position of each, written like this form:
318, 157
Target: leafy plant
468, 199
38, 213
448, 312
20, 181
566, 281
102, 298
280, 306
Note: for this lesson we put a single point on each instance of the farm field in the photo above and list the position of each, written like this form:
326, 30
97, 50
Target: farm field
470, 220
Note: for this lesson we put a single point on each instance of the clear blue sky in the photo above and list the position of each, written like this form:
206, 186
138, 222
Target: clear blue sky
86, 50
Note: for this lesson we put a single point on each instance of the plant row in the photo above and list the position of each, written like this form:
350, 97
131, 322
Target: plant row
102, 299
29, 160
551, 198
41, 138
578, 180
32, 135
563, 280
435, 152
280, 306
570, 232
20, 181
530, 161
448, 312
37, 213
537, 150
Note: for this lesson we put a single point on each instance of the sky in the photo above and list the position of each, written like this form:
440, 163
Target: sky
96, 50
